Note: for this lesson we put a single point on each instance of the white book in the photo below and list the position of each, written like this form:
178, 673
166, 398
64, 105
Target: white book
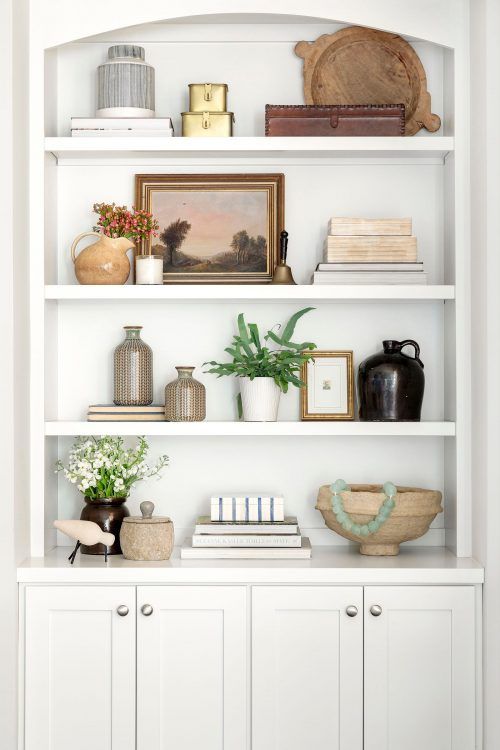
188, 552
205, 526
246, 540
121, 123
123, 133
368, 266
340, 225
366, 278
256, 508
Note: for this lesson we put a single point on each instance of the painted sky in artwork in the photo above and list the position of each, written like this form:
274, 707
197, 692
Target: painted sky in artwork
215, 216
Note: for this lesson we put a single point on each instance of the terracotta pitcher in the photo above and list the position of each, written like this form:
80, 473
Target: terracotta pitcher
104, 262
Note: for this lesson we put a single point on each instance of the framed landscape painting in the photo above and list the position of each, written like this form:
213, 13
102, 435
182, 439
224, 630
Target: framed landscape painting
214, 228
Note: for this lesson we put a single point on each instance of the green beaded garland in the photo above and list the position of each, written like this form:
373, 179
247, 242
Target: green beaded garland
372, 526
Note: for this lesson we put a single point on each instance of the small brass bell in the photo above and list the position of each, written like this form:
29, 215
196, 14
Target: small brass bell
282, 272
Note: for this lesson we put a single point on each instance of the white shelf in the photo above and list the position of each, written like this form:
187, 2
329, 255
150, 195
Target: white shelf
253, 429
328, 565
372, 147
251, 293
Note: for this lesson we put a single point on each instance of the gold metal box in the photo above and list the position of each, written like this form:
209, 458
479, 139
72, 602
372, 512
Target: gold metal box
216, 124
211, 97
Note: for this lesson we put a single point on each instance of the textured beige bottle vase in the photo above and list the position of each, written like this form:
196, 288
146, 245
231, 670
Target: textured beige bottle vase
260, 399
133, 370
185, 399
104, 262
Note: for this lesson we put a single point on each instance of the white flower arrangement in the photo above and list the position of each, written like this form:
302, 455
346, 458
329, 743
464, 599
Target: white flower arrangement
103, 467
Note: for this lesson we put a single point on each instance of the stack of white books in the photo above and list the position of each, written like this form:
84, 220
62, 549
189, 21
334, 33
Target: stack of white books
246, 527
370, 251
122, 126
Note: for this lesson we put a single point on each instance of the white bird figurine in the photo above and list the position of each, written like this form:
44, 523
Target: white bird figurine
86, 532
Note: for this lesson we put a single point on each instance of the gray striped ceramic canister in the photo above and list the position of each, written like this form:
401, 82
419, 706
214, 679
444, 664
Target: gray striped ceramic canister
125, 84
133, 377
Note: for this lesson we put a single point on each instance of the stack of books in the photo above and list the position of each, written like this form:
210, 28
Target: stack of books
112, 413
370, 251
246, 527
122, 126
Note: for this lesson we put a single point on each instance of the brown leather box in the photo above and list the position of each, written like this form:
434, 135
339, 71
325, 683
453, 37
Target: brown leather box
335, 119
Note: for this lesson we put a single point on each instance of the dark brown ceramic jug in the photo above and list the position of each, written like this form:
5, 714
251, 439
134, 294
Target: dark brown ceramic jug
391, 384
108, 513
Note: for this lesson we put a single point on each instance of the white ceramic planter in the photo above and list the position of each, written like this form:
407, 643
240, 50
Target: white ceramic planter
260, 399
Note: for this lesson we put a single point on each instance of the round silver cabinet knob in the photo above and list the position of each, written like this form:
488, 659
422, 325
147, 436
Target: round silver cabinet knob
122, 610
147, 610
376, 610
351, 611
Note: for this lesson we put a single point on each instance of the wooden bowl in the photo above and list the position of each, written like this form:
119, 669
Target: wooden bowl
411, 517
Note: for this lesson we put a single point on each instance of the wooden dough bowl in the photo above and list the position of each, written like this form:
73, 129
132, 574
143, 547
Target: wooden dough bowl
411, 517
358, 65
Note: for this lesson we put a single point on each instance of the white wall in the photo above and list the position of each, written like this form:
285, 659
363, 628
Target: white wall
485, 161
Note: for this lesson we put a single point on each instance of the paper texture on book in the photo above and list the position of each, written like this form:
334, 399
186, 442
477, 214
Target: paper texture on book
246, 540
262, 553
206, 526
340, 225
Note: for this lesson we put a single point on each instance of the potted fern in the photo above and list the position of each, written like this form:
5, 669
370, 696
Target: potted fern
264, 372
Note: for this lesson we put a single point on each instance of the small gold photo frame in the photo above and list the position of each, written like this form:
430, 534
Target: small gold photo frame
328, 393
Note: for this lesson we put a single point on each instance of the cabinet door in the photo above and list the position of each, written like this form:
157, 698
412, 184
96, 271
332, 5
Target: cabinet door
419, 668
80, 668
192, 668
307, 668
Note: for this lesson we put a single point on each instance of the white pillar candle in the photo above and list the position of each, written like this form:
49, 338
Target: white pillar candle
149, 269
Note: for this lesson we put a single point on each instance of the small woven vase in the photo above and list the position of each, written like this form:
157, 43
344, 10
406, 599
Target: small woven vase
185, 398
133, 381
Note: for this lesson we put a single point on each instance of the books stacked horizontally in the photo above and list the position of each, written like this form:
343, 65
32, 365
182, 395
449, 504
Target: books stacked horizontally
251, 527
112, 413
122, 126
370, 251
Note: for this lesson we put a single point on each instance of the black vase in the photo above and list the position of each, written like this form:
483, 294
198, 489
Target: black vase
391, 384
108, 513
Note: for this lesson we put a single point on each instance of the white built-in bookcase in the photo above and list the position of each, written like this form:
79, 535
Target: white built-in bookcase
74, 329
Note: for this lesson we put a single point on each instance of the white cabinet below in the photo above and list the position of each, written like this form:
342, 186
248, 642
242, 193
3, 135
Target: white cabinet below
419, 668
191, 667
307, 667
79, 668
242, 667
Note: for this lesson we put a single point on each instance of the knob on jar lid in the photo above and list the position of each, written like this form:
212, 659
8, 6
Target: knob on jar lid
147, 508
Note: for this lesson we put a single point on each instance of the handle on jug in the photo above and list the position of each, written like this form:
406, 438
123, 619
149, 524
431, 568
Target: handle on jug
77, 240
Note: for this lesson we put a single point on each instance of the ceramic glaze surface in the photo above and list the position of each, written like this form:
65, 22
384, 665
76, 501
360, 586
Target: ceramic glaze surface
185, 399
133, 374
391, 384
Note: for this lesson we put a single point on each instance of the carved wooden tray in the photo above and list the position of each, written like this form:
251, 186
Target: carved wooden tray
366, 66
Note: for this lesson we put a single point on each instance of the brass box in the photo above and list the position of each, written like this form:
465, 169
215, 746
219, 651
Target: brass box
211, 97
217, 124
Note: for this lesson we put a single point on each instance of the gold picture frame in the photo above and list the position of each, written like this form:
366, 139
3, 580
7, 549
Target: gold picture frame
313, 399
214, 228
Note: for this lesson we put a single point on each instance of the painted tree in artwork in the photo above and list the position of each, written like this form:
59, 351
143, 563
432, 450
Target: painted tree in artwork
172, 237
248, 248
241, 245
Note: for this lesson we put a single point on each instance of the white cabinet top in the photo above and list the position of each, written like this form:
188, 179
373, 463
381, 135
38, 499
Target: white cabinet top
328, 565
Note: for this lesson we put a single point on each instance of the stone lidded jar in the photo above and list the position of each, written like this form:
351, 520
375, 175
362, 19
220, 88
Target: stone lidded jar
133, 370
185, 399
391, 384
125, 83
147, 537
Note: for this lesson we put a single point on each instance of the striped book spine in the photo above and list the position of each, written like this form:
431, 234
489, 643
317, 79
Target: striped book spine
255, 509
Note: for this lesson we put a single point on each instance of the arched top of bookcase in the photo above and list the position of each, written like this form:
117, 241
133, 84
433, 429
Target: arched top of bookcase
442, 22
